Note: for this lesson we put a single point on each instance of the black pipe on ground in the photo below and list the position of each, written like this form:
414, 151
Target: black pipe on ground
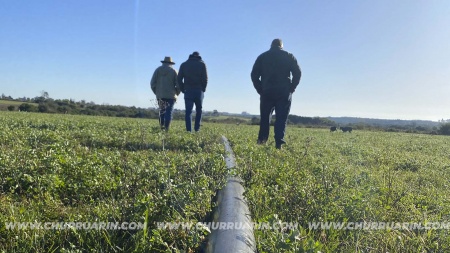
232, 228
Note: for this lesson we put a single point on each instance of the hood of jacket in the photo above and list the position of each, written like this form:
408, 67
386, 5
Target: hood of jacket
166, 69
194, 57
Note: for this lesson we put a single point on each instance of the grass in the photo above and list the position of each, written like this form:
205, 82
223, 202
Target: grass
9, 102
358, 177
56, 168
224, 118
82, 168
5, 103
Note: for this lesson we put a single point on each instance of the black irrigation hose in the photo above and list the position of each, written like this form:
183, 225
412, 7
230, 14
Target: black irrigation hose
233, 233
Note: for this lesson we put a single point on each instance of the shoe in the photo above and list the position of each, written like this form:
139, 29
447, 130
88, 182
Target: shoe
279, 144
261, 142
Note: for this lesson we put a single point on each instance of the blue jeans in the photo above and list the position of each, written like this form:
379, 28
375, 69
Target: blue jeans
281, 103
191, 97
165, 111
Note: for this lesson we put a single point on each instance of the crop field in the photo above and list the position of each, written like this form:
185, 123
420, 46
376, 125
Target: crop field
16, 103
8, 102
66, 168
5, 103
224, 117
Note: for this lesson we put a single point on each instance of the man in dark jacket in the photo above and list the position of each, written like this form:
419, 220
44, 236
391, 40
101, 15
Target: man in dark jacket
192, 79
271, 77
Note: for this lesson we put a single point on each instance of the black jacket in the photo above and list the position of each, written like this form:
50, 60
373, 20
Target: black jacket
272, 70
193, 74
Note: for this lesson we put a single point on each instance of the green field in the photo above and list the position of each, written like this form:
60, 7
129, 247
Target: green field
5, 103
229, 118
8, 102
65, 168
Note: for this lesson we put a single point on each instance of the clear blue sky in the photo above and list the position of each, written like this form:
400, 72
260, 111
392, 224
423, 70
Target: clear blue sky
378, 59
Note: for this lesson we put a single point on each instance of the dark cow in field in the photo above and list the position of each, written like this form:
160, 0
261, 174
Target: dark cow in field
332, 129
346, 129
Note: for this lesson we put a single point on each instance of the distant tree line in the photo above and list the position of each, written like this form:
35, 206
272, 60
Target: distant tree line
45, 104
445, 129
300, 121
310, 121
410, 128
227, 120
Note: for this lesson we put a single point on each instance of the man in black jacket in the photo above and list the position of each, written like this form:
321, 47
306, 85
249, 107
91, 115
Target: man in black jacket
271, 77
192, 79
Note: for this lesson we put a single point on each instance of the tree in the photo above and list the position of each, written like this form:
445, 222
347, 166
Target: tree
255, 121
445, 129
28, 107
11, 108
42, 108
44, 94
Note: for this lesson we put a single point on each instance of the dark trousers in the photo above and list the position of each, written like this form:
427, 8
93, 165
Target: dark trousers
281, 103
193, 97
165, 111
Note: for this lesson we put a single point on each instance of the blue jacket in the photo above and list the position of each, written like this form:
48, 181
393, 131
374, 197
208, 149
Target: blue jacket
272, 71
193, 74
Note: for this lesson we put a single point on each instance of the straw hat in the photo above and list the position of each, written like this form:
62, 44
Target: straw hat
168, 59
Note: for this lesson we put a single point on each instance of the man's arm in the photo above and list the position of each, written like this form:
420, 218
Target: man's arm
296, 73
204, 78
180, 78
255, 75
175, 83
153, 81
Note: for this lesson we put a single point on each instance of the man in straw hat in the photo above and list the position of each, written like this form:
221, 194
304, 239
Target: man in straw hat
164, 86
193, 79
271, 77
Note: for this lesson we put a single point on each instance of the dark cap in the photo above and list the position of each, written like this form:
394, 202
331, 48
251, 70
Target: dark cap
195, 54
